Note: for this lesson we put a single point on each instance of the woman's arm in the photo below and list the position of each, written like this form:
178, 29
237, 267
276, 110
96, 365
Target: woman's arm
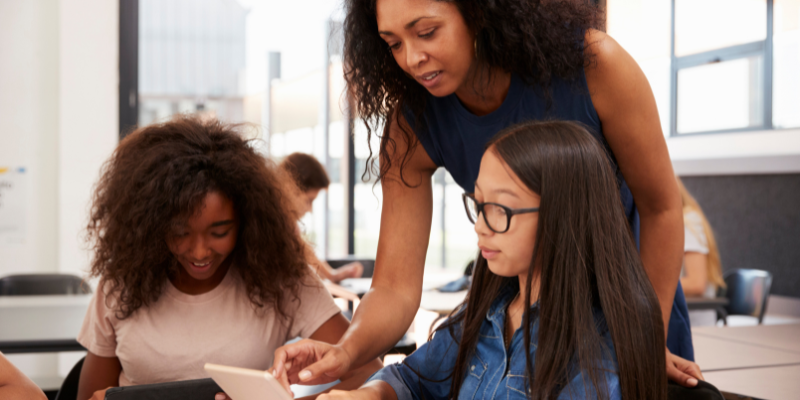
325, 271
627, 110
97, 375
696, 279
387, 310
16, 386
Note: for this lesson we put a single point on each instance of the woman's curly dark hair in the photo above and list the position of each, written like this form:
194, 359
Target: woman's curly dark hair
161, 174
533, 39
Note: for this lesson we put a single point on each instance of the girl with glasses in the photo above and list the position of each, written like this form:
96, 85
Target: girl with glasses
560, 305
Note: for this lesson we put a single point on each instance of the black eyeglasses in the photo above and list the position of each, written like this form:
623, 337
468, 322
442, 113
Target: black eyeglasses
496, 216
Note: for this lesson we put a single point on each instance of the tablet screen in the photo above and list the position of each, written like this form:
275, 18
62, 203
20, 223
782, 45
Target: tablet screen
247, 384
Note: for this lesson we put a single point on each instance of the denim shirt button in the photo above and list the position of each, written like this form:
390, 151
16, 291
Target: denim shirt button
472, 368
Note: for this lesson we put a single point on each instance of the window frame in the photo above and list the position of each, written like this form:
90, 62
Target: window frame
763, 48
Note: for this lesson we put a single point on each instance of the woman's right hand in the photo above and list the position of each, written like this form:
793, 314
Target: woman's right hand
309, 362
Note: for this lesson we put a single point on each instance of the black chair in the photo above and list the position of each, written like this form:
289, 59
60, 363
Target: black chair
747, 292
42, 284
703, 391
69, 388
369, 264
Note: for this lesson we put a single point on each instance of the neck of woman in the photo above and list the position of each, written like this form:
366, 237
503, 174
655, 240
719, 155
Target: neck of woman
484, 90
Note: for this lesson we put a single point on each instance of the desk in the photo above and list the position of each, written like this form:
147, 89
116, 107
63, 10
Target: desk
41, 324
714, 354
360, 286
778, 337
773, 383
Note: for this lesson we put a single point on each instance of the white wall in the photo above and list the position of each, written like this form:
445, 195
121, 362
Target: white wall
58, 119
28, 127
88, 119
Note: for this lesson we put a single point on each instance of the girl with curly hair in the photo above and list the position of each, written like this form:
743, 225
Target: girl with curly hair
435, 80
199, 261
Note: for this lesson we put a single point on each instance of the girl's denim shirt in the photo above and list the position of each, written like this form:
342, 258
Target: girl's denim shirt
493, 373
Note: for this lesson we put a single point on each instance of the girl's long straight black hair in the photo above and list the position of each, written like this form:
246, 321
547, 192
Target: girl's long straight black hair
587, 258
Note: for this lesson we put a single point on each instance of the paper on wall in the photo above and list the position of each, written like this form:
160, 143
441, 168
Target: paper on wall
12, 205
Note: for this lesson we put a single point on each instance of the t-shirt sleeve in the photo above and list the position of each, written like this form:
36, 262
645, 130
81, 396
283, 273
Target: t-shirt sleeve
425, 138
315, 308
694, 235
97, 333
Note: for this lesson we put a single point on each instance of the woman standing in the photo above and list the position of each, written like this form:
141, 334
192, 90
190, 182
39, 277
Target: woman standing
448, 75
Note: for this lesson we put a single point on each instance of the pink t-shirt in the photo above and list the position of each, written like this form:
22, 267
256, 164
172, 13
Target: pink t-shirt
172, 339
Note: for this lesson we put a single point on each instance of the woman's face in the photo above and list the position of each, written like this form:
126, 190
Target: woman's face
508, 254
429, 40
307, 200
205, 240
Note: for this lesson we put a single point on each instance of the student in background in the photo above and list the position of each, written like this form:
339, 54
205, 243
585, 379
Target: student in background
702, 269
701, 275
560, 304
311, 178
198, 260
16, 386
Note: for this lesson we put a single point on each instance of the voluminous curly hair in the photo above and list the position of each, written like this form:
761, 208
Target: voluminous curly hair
534, 39
160, 175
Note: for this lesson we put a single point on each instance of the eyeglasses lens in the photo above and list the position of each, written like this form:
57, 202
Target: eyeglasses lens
495, 217
472, 208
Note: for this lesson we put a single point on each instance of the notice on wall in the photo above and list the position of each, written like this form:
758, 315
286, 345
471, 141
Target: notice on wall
12, 205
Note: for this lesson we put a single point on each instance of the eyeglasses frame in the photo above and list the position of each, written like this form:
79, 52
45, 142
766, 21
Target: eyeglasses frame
510, 212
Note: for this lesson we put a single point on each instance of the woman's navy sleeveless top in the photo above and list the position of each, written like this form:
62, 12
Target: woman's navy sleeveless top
455, 138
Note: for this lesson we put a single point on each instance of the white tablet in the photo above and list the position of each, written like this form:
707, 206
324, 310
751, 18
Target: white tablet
247, 384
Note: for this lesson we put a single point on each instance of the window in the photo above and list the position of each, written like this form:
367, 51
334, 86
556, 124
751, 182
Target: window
734, 65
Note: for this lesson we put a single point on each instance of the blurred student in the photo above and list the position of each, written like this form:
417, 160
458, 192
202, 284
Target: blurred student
16, 386
311, 178
701, 275
560, 305
198, 260
702, 269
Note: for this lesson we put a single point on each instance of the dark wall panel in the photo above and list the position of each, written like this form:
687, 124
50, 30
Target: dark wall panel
756, 219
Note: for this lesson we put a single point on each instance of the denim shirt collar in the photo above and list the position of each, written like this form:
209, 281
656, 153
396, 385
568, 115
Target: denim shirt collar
497, 311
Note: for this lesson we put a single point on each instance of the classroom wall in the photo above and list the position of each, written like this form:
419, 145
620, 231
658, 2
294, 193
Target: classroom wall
58, 120
756, 221
89, 116
29, 106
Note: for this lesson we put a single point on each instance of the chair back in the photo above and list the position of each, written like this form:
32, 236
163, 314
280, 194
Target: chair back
42, 284
747, 292
703, 391
69, 388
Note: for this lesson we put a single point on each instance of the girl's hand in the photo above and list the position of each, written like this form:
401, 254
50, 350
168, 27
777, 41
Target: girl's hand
309, 362
100, 394
221, 396
360, 394
682, 371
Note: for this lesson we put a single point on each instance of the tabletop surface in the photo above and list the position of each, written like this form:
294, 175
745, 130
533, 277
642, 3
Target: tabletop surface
714, 354
779, 337
31, 318
773, 383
